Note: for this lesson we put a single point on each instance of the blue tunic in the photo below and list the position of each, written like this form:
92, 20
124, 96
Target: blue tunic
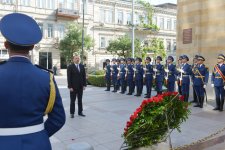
186, 78
159, 77
171, 77
23, 99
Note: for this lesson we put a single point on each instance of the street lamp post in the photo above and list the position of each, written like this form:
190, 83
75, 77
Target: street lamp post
133, 28
82, 50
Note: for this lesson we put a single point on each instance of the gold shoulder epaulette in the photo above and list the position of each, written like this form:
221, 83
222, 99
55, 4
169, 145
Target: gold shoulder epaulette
44, 68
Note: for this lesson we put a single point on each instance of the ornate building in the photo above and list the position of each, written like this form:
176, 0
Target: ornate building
104, 20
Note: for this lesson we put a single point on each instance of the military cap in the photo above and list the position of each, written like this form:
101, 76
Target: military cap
196, 56
170, 57
129, 59
159, 58
20, 29
107, 60
185, 57
201, 58
118, 60
148, 58
180, 57
114, 59
122, 59
132, 59
139, 59
221, 56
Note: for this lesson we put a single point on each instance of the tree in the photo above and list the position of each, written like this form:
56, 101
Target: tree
156, 47
72, 42
122, 46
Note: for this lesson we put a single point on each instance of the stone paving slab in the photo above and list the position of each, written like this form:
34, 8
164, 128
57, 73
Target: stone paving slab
106, 116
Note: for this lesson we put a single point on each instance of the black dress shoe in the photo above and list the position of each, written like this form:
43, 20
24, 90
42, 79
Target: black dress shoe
221, 110
146, 94
216, 108
129, 93
71, 115
114, 91
197, 105
137, 95
82, 115
147, 97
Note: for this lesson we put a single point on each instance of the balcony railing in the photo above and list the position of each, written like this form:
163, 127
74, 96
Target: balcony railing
67, 13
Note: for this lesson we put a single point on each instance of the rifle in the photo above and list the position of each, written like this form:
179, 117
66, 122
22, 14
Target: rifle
155, 72
167, 73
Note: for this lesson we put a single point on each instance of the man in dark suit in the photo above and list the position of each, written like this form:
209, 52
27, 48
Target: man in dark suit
76, 78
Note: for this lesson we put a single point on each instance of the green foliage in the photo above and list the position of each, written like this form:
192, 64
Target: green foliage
98, 72
150, 122
123, 46
97, 80
72, 42
156, 47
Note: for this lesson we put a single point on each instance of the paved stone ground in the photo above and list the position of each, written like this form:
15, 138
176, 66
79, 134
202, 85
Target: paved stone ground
107, 113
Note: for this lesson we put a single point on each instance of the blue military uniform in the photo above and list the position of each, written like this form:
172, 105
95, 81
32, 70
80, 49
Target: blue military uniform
108, 75
118, 79
185, 80
178, 76
25, 92
200, 78
122, 77
129, 77
114, 75
159, 76
194, 66
218, 80
139, 78
149, 78
171, 75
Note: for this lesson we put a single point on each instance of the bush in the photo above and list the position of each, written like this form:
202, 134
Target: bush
149, 124
97, 72
97, 80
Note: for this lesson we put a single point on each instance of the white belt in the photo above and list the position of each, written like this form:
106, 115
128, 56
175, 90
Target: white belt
21, 130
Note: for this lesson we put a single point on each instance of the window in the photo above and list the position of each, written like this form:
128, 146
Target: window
25, 2
168, 24
168, 45
161, 24
50, 30
129, 18
41, 27
70, 4
120, 17
40, 3
7, 1
102, 42
45, 59
50, 4
174, 45
174, 25
154, 20
61, 3
109, 16
61, 30
145, 19
102, 15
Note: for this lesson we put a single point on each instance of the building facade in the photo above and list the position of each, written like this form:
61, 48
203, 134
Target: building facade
201, 29
104, 20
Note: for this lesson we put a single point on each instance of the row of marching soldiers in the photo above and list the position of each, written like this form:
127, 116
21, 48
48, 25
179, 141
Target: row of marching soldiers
130, 73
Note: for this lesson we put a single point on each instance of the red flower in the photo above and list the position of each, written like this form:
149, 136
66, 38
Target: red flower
181, 98
144, 102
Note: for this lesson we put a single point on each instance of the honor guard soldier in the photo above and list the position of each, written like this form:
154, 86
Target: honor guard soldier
148, 77
138, 70
159, 75
122, 75
185, 73
200, 79
114, 74
129, 76
179, 66
218, 82
28, 92
108, 74
118, 76
134, 65
194, 66
170, 72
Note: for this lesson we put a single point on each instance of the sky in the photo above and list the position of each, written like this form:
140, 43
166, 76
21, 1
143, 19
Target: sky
155, 2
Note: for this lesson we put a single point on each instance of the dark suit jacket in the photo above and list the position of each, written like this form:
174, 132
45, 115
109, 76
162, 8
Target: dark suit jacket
76, 79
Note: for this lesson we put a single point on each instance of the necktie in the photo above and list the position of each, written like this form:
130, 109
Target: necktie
77, 65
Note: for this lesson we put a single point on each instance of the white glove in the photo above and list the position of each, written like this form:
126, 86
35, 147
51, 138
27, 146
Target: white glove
154, 77
212, 85
126, 69
166, 70
105, 69
118, 69
111, 69
134, 69
181, 70
143, 75
224, 87
204, 86
155, 70
144, 69
166, 78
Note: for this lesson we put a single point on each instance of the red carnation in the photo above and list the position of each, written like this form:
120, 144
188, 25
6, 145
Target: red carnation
181, 98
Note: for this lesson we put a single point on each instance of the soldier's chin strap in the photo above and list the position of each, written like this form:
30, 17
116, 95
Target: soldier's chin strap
52, 95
